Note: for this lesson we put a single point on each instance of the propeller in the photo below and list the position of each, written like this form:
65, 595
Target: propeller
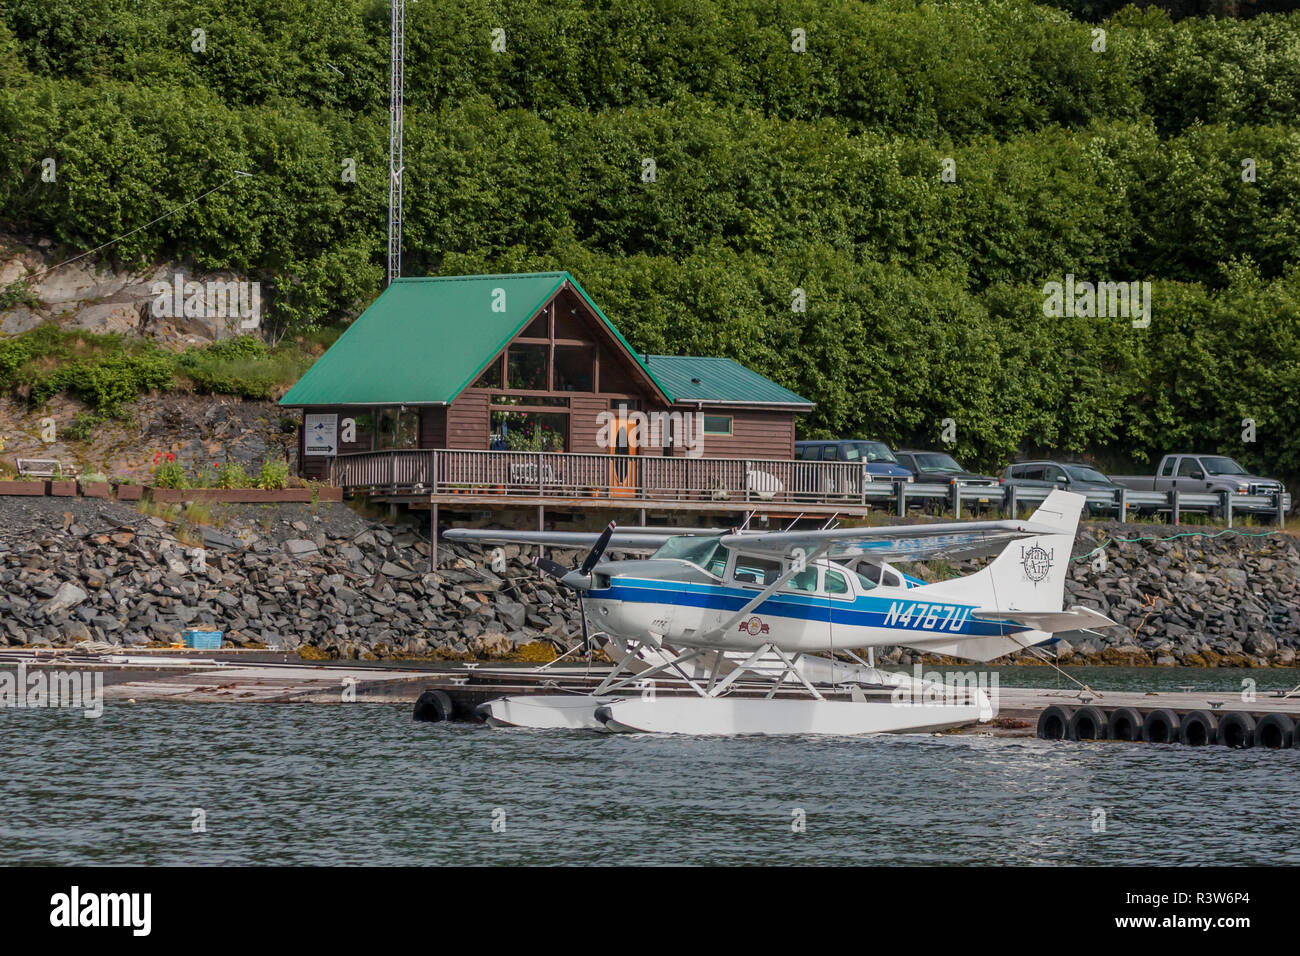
579, 578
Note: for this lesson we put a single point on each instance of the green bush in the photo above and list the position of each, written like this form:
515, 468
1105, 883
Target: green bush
82, 428
170, 474
274, 476
233, 475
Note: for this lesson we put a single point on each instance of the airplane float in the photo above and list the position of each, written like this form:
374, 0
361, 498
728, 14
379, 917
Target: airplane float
720, 612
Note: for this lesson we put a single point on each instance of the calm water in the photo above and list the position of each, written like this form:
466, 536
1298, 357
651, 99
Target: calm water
363, 784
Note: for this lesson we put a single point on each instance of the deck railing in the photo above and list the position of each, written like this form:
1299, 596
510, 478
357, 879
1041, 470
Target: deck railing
565, 475
739, 482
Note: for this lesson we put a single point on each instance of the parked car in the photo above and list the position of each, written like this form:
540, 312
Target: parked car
1201, 474
938, 467
877, 460
1078, 476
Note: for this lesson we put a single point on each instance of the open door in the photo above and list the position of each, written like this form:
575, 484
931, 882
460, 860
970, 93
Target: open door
622, 443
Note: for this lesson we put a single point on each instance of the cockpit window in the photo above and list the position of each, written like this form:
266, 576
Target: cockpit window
705, 553
805, 580
835, 583
754, 570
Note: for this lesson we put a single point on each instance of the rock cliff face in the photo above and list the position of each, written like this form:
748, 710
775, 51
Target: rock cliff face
328, 583
88, 296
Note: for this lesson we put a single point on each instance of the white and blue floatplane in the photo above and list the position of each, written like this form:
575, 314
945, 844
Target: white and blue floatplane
720, 613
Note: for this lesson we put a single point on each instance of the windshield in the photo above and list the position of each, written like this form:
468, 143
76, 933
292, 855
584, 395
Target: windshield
934, 461
1084, 473
703, 552
1222, 466
870, 450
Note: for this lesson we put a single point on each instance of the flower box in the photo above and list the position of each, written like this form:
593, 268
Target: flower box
96, 489
129, 492
231, 495
22, 488
62, 489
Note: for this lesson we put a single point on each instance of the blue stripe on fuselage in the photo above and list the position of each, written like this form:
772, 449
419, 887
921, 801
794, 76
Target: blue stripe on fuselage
861, 611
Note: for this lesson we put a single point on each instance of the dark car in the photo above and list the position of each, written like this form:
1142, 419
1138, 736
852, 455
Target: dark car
1077, 476
876, 458
939, 467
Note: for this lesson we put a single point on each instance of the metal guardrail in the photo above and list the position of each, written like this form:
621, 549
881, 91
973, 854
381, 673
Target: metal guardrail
738, 481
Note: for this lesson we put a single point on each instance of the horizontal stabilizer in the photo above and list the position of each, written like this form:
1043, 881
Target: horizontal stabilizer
1077, 618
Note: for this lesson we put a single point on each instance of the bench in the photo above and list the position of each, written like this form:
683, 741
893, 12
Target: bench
44, 468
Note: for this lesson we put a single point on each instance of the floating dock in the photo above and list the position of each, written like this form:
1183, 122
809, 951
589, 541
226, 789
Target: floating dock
1190, 717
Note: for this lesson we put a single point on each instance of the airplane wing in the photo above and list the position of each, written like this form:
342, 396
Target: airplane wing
1077, 618
920, 542
632, 542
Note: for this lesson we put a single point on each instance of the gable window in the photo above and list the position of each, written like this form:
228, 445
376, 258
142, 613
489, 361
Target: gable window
491, 377
717, 424
526, 367
575, 367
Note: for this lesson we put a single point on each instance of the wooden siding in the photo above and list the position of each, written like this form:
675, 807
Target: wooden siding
755, 433
468, 422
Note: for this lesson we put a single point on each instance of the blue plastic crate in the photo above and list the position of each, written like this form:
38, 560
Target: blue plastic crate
203, 640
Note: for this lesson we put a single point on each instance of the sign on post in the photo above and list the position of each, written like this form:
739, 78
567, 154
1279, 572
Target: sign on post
320, 436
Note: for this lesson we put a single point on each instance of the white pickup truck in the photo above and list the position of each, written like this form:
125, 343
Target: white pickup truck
1201, 474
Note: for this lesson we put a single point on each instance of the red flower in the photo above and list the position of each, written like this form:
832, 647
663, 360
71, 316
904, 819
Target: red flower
171, 457
157, 458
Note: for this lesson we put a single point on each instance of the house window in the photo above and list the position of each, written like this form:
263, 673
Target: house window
396, 428
526, 367
575, 367
491, 377
529, 431
539, 328
365, 436
717, 424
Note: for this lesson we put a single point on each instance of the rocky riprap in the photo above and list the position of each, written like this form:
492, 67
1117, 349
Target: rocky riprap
324, 584
328, 583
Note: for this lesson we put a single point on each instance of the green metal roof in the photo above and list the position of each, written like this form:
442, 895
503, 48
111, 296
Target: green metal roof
424, 340
693, 378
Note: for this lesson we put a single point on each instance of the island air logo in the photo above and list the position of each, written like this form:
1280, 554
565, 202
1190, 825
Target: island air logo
1036, 562
754, 626
217, 299
53, 688
75, 909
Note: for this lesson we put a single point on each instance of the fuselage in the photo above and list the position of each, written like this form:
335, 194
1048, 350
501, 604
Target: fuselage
826, 606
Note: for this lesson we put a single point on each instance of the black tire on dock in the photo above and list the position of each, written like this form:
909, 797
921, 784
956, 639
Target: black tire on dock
1162, 727
433, 705
1237, 729
1087, 723
1124, 723
1054, 723
1200, 729
1275, 731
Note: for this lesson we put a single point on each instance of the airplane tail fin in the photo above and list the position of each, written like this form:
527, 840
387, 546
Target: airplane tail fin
1029, 574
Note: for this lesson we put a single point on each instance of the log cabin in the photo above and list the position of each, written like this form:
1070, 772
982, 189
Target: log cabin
524, 363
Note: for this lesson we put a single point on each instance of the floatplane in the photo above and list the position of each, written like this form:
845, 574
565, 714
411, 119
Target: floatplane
722, 613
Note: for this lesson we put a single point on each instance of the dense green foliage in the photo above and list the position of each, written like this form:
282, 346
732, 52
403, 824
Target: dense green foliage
773, 170
109, 371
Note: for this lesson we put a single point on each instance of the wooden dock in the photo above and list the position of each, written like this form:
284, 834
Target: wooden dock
273, 677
